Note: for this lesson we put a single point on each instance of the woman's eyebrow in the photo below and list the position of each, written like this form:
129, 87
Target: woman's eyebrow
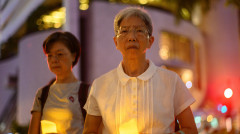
135, 26
59, 50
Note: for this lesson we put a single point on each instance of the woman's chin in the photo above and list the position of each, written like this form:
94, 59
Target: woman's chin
56, 72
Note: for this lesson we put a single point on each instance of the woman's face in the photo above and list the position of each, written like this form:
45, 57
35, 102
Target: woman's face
133, 39
60, 59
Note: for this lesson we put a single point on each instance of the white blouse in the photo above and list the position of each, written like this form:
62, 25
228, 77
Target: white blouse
144, 104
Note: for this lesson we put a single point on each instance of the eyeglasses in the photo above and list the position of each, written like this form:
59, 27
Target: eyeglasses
58, 56
138, 31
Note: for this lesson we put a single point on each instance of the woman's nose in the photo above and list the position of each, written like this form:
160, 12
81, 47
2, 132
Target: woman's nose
131, 35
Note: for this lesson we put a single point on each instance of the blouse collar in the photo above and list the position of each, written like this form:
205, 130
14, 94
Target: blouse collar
123, 77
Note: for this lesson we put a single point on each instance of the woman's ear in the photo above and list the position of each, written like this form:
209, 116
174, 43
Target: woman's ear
115, 41
151, 40
73, 57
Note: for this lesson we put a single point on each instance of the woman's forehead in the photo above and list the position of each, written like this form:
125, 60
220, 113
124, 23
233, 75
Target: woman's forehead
58, 46
132, 26
132, 20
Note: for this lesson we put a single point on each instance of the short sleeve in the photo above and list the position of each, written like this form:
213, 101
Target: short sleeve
182, 96
37, 103
91, 105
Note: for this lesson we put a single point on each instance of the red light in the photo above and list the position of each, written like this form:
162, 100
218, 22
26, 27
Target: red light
228, 93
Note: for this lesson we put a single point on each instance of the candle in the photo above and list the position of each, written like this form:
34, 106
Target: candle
48, 127
129, 127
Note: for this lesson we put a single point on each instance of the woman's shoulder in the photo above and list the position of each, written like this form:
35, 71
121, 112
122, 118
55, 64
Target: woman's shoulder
108, 76
166, 72
38, 92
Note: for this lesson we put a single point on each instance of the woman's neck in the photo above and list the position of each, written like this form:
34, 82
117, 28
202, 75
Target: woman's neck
135, 67
69, 78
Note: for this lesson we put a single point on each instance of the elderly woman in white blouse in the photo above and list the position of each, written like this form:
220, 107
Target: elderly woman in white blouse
137, 96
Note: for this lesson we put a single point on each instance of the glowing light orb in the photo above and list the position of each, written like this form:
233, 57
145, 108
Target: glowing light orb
219, 107
224, 109
209, 118
228, 93
214, 123
189, 84
198, 119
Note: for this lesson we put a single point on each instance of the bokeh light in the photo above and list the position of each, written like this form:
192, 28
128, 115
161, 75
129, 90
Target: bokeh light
228, 93
224, 109
209, 118
189, 84
214, 123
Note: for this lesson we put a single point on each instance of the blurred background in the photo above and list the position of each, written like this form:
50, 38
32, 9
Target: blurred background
198, 39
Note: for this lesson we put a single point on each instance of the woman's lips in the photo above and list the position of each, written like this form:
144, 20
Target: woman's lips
132, 47
56, 67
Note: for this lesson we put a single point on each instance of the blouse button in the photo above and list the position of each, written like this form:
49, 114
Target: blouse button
134, 96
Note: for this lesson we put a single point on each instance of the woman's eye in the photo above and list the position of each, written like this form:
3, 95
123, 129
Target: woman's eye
59, 54
49, 55
124, 31
140, 31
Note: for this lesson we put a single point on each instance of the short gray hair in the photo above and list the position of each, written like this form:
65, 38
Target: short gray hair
133, 11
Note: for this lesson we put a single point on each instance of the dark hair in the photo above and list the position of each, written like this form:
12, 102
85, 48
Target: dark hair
133, 11
68, 39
